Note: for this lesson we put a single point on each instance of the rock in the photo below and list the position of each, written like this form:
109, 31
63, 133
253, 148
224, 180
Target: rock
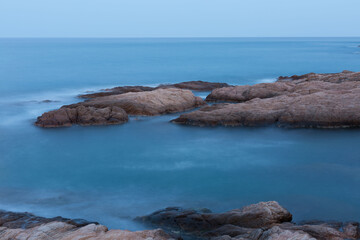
19, 226
262, 221
114, 109
305, 103
28, 220
83, 115
117, 90
200, 86
258, 215
64, 231
150, 103
344, 76
190, 85
276, 233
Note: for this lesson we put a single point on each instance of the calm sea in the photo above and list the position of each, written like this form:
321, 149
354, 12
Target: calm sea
112, 174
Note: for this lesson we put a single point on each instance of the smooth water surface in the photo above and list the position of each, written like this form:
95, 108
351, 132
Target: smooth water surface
111, 174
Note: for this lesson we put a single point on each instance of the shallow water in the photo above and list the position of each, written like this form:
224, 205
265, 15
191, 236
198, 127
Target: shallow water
114, 173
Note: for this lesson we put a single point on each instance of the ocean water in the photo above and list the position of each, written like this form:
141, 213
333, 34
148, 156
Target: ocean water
112, 174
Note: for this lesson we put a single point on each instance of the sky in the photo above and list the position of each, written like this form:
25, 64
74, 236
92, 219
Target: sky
179, 18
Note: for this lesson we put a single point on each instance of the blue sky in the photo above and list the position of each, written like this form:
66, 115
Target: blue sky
179, 18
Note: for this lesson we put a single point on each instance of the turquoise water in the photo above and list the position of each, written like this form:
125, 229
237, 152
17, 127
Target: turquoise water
112, 174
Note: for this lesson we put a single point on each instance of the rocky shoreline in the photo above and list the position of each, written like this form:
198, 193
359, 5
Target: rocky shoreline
261, 221
306, 101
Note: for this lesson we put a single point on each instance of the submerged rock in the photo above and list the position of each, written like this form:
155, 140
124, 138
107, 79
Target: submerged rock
262, 221
312, 100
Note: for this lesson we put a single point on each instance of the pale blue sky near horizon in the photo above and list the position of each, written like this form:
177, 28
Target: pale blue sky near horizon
179, 18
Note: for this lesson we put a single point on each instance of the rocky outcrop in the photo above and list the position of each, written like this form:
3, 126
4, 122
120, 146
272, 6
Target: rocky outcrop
82, 115
19, 226
114, 109
200, 86
303, 102
117, 90
344, 76
190, 85
150, 103
262, 221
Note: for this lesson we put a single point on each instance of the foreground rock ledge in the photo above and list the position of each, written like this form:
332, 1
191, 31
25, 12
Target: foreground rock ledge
311, 100
115, 109
262, 221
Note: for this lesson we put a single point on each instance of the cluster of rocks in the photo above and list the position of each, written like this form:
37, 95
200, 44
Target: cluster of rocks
261, 221
21, 226
310, 100
114, 105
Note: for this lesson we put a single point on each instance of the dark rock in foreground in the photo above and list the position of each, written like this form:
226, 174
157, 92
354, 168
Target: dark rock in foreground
191, 85
265, 220
311, 100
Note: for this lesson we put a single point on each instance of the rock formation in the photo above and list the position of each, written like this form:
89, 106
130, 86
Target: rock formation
20, 226
311, 100
262, 221
114, 109
82, 115
191, 85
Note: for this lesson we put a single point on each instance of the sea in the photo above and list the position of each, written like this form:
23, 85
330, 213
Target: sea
111, 174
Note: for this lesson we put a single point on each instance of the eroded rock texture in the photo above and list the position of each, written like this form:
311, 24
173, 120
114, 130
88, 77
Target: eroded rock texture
262, 221
191, 85
311, 100
26, 226
115, 109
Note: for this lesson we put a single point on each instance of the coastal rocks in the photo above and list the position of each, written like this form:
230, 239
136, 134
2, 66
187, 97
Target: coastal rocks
312, 100
117, 90
19, 226
190, 85
262, 221
150, 103
82, 115
200, 86
259, 215
325, 77
114, 109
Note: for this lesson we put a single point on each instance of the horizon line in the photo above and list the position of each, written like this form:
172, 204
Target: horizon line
164, 37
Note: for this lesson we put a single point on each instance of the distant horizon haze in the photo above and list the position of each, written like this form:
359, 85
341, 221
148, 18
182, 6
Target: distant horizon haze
178, 18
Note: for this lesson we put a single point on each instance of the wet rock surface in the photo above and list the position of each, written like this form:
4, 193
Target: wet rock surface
265, 221
311, 100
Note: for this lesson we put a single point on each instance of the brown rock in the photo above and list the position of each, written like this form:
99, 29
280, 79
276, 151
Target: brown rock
190, 85
117, 90
200, 86
114, 109
254, 216
149, 103
83, 115
318, 104
64, 231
